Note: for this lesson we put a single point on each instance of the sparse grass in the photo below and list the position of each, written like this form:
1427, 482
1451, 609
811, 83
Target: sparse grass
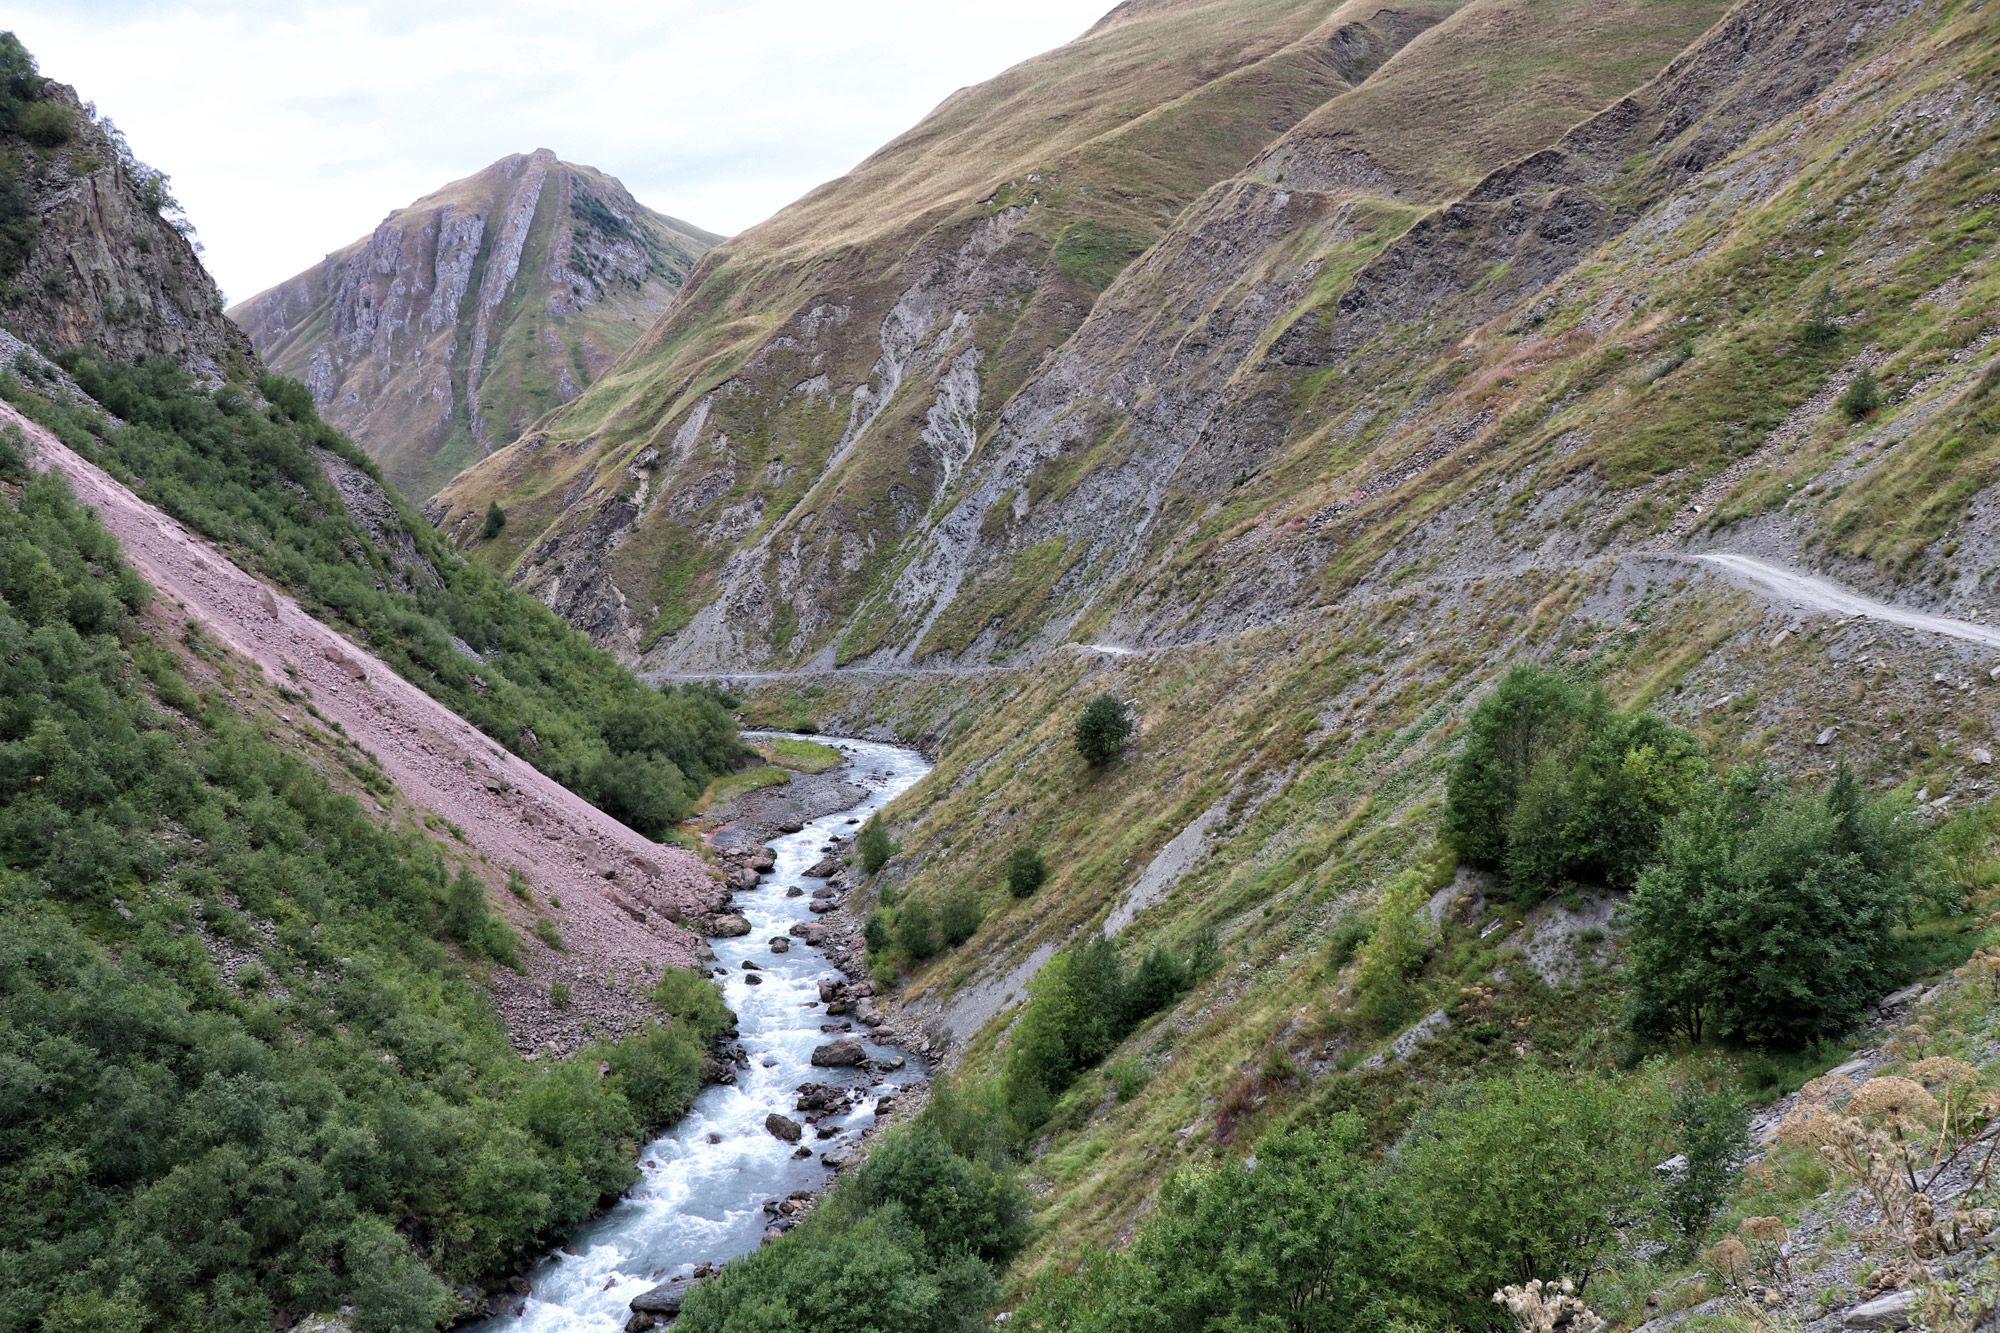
801, 755
731, 785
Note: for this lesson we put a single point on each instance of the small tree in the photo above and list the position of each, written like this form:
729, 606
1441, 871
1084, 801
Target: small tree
1822, 321
959, 916
1102, 730
1712, 1139
496, 519
1862, 396
1027, 871
917, 928
874, 845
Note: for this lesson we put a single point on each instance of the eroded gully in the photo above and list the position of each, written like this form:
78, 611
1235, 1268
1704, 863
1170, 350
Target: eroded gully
705, 1183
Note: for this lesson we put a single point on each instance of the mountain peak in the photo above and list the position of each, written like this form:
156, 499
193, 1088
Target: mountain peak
474, 310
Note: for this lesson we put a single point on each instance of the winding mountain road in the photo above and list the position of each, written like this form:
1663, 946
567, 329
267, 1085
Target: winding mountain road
1809, 590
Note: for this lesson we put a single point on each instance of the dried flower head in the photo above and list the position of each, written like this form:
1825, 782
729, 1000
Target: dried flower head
1943, 1069
1761, 1228
1548, 1308
1826, 1090
1729, 1260
1902, 1104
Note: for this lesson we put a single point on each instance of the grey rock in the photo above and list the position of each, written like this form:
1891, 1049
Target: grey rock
727, 926
666, 1298
1827, 736
1893, 1309
823, 867
783, 1127
845, 1053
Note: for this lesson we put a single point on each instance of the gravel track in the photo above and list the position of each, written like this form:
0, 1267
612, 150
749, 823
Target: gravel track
1808, 590
618, 889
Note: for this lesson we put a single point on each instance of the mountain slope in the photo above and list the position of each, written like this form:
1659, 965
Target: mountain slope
468, 314
760, 481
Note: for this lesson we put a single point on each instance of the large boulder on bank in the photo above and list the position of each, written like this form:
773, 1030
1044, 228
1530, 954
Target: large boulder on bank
823, 867
727, 925
764, 858
843, 1054
666, 1298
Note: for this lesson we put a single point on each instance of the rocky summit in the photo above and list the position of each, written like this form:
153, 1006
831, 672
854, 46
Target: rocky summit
469, 314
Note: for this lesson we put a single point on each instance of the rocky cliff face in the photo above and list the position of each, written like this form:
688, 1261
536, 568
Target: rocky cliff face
475, 310
104, 258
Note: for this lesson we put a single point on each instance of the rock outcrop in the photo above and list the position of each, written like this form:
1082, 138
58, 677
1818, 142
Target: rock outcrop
473, 311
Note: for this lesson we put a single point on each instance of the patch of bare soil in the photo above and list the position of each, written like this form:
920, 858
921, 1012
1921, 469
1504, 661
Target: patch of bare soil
621, 895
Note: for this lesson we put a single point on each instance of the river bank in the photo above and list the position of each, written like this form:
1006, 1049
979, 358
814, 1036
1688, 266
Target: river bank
755, 1151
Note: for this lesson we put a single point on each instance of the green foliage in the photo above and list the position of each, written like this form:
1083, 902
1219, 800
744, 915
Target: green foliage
1770, 915
1102, 730
1027, 871
1862, 395
547, 932
20, 83
1127, 1077
1081, 1005
1532, 1176
496, 520
1822, 321
255, 483
874, 845
347, 1119
559, 994
1394, 952
959, 916
20, 220
917, 928
694, 1002
959, 1206
1552, 783
875, 930
47, 124
1711, 1134
467, 921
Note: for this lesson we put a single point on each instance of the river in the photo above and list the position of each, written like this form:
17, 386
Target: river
704, 1184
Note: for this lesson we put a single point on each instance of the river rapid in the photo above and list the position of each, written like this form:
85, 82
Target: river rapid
704, 1184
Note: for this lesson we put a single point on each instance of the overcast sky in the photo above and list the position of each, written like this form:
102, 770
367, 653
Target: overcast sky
290, 129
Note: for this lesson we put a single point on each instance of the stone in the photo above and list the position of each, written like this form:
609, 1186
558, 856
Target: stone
791, 826
783, 1127
821, 906
752, 979
727, 926
666, 1298
764, 858
1827, 736
823, 893
823, 867
843, 1054
1893, 1309
746, 878
779, 944
1980, 756
795, 892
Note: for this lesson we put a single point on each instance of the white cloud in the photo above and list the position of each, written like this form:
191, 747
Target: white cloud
290, 129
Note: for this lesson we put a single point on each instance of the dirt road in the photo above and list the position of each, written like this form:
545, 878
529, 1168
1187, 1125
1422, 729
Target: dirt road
617, 889
1818, 594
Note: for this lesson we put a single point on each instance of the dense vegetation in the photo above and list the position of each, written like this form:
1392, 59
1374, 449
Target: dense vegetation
911, 1242
20, 85
1102, 729
1553, 783
242, 1070
1535, 1175
253, 481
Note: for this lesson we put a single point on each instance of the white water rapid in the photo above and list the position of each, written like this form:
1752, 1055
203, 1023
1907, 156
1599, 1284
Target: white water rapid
705, 1182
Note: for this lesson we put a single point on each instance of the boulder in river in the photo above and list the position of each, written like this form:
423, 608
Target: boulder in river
823, 867
795, 892
783, 1127
843, 1054
744, 878
791, 826
727, 925
666, 1298
779, 944
764, 858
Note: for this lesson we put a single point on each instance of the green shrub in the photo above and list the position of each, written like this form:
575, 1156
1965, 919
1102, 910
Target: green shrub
1552, 783
1127, 1077
1711, 1136
49, 124
693, 1001
1862, 395
1102, 730
496, 520
559, 994
959, 916
959, 1206
917, 928
1532, 1176
1027, 871
875, 930
873, 844
1822, 321
1771, 913
547, 933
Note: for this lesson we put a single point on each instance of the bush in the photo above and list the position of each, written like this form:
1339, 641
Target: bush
1127, 1077
559, 994
875, 930
917, 928
873, 844
959, 916
1102, 730
1822, 321
1552, 783
694, 1002
958, 1206
1027, 871
1711, 1136
49, 124
1862, 395
496, 520
1770, 916
1532, 1176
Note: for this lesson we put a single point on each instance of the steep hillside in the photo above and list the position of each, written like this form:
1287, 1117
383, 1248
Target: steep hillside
772, 475
93, 247
465, 316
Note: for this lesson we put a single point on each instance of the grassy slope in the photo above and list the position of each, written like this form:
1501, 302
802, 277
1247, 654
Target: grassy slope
1325, 737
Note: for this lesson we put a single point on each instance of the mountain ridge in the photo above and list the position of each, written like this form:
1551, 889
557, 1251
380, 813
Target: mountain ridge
468, 313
